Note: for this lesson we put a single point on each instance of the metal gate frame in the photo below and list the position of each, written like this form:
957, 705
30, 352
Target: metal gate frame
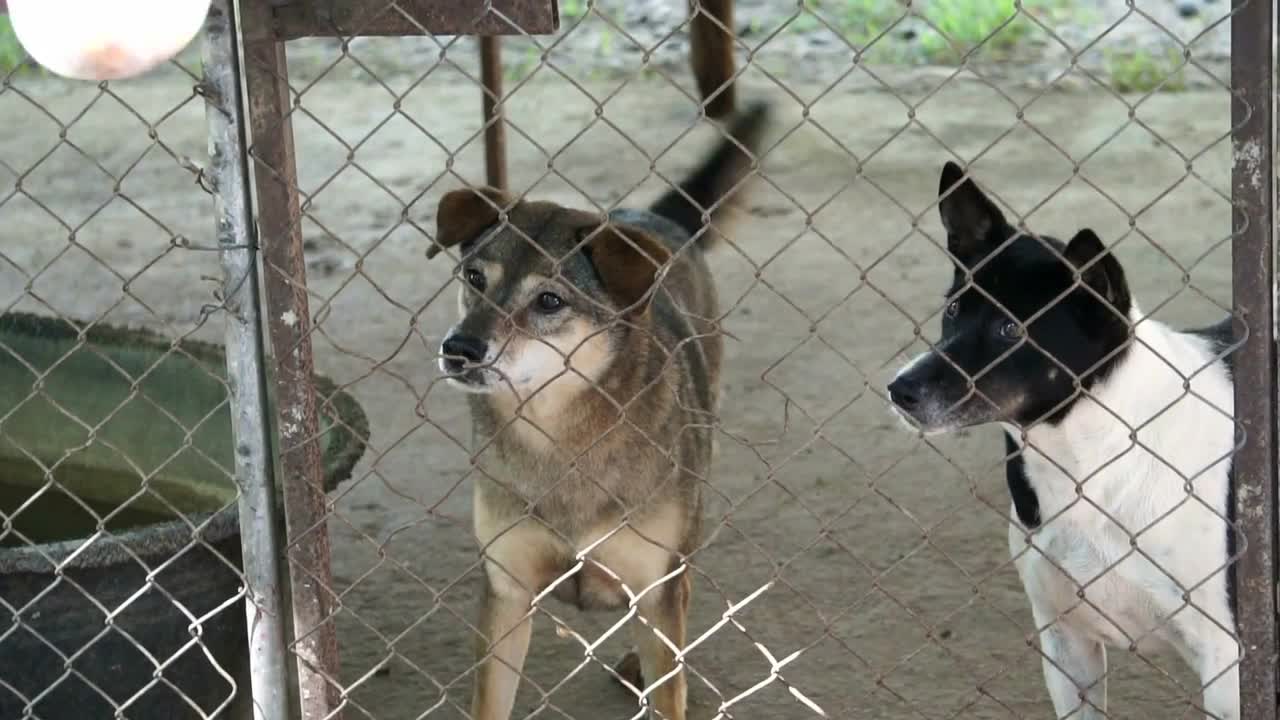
1253, 280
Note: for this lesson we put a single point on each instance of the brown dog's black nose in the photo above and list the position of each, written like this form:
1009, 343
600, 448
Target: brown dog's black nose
462, 350
905, 393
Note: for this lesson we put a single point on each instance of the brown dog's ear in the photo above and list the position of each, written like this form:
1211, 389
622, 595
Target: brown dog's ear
627, 260
464, 214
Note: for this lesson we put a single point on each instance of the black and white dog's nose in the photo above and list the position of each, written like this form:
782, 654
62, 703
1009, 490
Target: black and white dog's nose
905, 393
462, 350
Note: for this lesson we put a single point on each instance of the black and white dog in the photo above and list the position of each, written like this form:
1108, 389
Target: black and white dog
1119, 447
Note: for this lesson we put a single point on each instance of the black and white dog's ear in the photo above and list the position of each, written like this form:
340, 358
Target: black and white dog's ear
968, 215
1100, 270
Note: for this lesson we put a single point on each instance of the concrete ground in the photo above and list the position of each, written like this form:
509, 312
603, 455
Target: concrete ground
885, 555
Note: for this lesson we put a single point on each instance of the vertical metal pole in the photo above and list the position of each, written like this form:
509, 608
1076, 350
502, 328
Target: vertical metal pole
1253, 265
495, 131
245, 373
288, 321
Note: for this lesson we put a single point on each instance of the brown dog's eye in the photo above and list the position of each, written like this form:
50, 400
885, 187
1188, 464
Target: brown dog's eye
475, 278
550, 302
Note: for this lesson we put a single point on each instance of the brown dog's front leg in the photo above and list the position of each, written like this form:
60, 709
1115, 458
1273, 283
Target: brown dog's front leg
665, 608
500, 652
711, 54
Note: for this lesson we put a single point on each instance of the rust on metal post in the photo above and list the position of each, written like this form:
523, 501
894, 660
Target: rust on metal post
289, 330
1253, 275
344, 18
495, 132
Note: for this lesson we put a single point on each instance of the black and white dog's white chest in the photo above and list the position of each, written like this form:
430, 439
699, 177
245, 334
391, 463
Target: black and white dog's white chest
1119, 489
1122, 524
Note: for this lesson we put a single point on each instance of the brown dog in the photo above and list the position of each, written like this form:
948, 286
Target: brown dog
591, 354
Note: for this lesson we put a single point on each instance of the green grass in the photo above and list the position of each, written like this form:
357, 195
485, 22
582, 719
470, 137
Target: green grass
1000, 26
858, 20
573, 9
516, 70
11, 53
951, 30
1143, 71
849, 14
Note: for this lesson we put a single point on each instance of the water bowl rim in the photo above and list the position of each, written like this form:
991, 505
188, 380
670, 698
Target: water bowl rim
173, 536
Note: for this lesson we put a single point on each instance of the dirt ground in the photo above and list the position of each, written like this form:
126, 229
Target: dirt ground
884, 555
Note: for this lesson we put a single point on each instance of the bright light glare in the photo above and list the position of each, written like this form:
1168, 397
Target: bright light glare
105, 39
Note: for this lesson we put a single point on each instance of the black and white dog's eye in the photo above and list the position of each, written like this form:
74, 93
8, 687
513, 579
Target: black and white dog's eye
475, 278
550, 302
953, 308
1011, 330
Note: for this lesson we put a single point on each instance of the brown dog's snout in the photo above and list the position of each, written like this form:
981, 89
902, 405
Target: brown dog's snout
461, 351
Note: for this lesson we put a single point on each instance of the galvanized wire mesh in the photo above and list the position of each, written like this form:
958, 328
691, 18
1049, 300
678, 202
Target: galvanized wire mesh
847, 568
121, 593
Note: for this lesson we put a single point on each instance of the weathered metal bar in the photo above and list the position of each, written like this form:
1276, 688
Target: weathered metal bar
495, 131
246, 377
315, 641
1253, 278
343, 18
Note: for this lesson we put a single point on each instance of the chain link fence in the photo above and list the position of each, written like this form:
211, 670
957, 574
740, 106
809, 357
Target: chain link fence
121, 591
848, 564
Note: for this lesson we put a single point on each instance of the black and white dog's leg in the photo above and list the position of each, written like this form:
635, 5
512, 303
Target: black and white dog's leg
1075, 669
1221, 688
1214, 655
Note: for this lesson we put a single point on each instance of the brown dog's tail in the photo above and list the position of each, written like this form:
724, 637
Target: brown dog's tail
718, 181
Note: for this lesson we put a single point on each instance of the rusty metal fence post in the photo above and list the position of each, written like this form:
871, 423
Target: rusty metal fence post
495, 132
1253, 283
315, 641
246, 377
